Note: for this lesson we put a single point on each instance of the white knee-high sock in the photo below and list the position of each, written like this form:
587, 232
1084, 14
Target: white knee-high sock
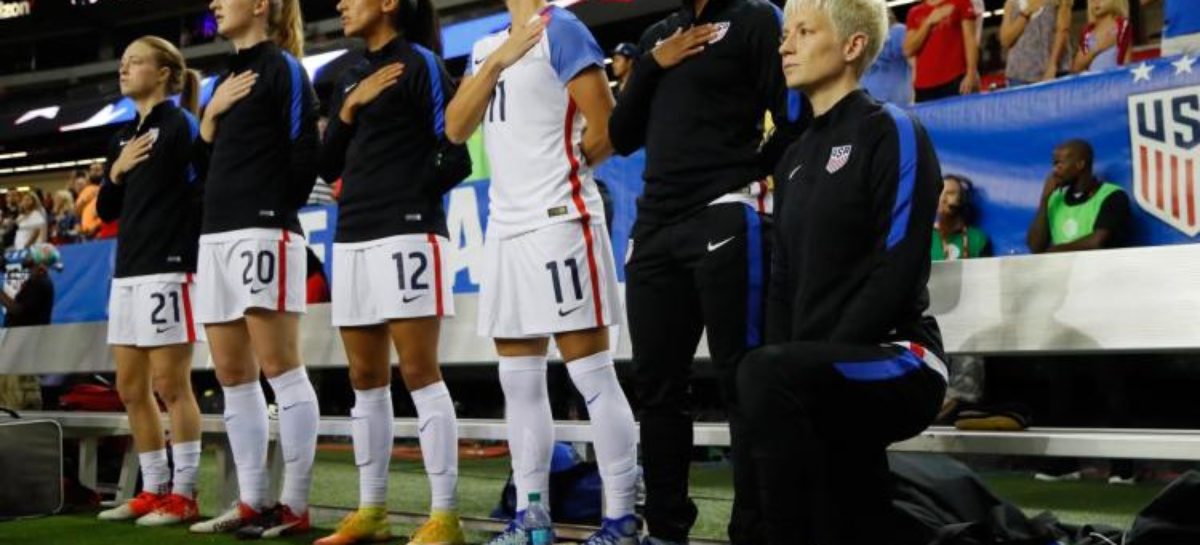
613, 430
298, 421
438, 431
371, 426
246, 425
530, 425
156, 472
187, 462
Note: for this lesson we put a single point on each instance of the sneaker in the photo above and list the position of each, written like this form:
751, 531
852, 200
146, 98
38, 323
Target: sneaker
275, 522
138, 507
173, 509
236, 517
367, 524
1065, 477
622, 531
514, 534
1124, 481
442, 528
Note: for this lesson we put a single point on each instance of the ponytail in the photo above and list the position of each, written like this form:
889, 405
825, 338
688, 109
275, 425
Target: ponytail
418, 23
286, 25
180, 81
189, 95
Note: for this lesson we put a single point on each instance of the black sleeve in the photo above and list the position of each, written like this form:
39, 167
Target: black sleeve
1114, 218
789, 109
300, 113
111, 197
631, 115
195, 167
903, 185
337, 135
780, 288
433, 88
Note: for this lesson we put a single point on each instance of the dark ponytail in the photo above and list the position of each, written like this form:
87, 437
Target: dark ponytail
418, 23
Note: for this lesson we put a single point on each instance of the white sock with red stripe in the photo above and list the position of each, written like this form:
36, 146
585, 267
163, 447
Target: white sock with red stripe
613, 430
371, 426
246, 426
530, 425
187, 460
298, 420
438, 431
156, 471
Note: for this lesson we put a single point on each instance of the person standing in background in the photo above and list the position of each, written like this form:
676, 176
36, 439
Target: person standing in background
1036, 34
942, 37
889, 79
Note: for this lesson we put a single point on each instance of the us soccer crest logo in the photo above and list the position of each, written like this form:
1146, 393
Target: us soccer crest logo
838, 158
1164, 133
722, 30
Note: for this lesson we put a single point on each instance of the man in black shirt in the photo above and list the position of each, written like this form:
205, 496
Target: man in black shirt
697, 100
852, 362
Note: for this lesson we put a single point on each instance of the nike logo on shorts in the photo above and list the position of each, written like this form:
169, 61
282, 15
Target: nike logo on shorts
712, 246
595, 397
561, 313
406, 299
256, 291
164, 329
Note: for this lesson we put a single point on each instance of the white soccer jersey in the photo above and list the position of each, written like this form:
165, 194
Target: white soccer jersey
533, 131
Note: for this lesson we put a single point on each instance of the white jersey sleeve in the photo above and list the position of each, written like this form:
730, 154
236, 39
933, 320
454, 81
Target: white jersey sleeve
533, 131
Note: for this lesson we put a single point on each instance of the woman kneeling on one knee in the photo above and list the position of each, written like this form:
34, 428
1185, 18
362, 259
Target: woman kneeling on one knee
852, 363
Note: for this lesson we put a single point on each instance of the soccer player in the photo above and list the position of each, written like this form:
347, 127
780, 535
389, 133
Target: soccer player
540, 91
153, 187
391, 283
696, 101
852, 361
261, 130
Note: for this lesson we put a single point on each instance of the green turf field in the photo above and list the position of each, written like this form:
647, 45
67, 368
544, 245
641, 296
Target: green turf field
336, 484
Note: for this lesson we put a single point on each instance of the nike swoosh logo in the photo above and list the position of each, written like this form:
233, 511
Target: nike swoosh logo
561, 313
406, 299
349, 88
256, 291
423, 426
595, 397
480, 61
712, 246
164, 329
792, 174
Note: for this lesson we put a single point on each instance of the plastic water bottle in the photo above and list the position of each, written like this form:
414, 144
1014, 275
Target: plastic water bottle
538, 528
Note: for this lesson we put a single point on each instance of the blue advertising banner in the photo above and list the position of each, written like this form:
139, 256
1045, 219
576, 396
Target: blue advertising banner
1142, 120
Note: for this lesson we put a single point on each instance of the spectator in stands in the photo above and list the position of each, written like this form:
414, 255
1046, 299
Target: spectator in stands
889, 79
85, 208
32, 226
1077, 211
96, 172
64, 224
34, 300
1107, 39
941, 36
79, 180
10, 209
1035, 34
623, 57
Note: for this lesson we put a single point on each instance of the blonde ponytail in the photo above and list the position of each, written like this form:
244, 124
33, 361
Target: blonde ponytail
286, 25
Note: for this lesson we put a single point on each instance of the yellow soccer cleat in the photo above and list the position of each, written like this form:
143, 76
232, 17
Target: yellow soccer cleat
366, 525
442, 528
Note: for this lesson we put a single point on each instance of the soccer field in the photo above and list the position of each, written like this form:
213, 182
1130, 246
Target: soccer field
480, 481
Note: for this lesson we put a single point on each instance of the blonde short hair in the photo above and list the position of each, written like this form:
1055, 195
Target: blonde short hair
850, 17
